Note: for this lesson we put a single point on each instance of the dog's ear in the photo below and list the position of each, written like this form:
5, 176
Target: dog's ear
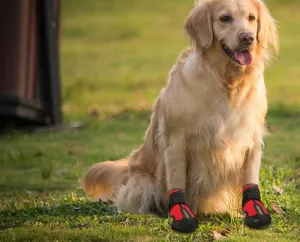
198, 26
267, 35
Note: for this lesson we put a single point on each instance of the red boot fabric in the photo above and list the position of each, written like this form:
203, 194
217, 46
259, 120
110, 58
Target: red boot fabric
184, 220
257, 216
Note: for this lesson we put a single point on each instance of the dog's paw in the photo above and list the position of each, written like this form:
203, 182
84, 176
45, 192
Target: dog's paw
257, 216
184, 220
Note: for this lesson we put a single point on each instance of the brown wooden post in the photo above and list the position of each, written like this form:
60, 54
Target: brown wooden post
29, 63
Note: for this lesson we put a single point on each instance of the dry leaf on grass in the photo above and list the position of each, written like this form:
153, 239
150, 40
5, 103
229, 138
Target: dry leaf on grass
278, 189
277, 209
219, 235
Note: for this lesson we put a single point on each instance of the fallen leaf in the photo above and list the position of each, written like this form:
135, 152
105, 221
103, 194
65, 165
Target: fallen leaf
277, 209
219, 235
278, 189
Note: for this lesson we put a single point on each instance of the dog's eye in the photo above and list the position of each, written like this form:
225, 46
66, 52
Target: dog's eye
251, 18
226, 19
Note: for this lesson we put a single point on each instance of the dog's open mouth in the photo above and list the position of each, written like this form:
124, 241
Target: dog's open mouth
243, 58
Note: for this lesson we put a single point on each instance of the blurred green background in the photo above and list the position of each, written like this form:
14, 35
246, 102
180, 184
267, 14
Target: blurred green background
115, 58
118, 53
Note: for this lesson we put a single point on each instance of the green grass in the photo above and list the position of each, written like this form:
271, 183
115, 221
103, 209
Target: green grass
116, 56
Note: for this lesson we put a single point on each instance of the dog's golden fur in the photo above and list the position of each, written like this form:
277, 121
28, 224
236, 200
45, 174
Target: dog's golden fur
207, 127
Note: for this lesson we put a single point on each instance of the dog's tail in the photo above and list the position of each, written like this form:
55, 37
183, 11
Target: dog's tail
103, 179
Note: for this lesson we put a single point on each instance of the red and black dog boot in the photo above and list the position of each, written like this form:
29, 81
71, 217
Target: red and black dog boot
257, 216
184, 220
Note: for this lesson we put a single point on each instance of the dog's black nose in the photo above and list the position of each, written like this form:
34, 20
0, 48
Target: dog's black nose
246, 38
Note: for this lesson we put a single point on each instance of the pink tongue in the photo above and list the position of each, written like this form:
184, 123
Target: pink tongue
245, 58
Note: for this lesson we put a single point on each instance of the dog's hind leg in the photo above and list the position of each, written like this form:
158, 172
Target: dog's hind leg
138, 195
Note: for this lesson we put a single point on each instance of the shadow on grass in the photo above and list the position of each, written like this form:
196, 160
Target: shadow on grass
13, 217
38, 187
282, 110
124, 114
279, 110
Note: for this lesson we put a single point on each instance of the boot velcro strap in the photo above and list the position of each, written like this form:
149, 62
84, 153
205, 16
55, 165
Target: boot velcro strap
251, 193
176, 198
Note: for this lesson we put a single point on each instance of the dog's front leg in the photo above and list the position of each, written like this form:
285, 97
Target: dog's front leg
184, 219
257, 215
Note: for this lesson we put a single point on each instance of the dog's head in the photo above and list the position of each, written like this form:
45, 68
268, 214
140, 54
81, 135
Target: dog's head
242, 30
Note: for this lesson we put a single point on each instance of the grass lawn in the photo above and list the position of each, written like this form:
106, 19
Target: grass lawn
116, 56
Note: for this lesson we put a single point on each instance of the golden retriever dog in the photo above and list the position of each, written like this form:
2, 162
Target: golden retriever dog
203, 148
